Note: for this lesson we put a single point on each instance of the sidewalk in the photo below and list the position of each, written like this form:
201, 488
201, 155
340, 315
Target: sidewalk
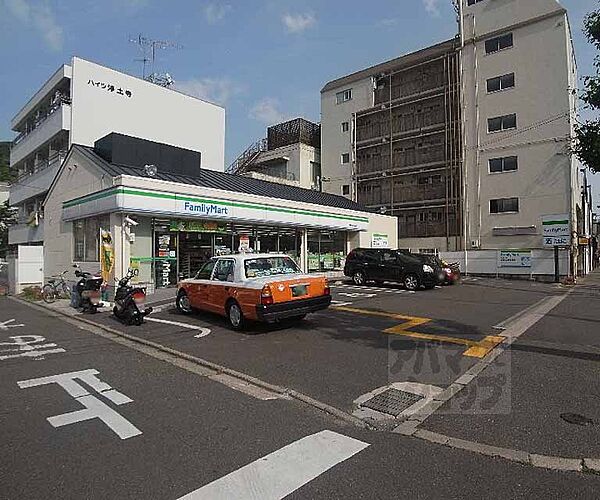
552, 377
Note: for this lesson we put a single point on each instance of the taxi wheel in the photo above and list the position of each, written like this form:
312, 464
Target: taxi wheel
183, 303
235, 317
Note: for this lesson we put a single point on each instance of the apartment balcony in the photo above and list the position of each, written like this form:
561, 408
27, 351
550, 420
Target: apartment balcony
25, 144
22, 233
37, 182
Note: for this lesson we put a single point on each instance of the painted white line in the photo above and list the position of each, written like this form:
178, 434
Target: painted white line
203, 331
282, 472
5, 325
339, 303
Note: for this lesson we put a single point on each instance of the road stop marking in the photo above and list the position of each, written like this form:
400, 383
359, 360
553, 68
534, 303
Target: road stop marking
475, 349
94, 407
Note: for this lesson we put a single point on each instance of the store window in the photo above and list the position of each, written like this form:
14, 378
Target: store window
326, 250
86, 238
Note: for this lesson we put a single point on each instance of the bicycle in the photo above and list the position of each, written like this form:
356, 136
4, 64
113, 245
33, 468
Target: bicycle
56, 288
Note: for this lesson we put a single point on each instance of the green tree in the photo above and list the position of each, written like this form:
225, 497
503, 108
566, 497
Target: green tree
587, 147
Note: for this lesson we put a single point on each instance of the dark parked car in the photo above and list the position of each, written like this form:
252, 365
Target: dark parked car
379, 265
451, 271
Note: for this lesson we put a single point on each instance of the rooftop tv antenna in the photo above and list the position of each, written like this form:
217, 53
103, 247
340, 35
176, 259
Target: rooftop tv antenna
148, 46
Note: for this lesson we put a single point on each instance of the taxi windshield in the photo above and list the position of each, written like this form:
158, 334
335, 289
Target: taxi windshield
269, 266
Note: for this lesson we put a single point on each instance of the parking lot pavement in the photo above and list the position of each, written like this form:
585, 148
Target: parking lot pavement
371, 337
340, 354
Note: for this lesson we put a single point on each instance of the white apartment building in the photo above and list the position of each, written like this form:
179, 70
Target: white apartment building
514, 122
82, 102
290, 154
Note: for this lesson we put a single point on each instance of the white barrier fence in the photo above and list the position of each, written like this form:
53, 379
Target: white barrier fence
525, 263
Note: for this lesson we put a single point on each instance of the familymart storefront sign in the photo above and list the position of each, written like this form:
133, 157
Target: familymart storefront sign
288, 213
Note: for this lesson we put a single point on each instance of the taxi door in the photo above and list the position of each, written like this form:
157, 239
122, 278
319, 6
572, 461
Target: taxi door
221, 285
198, 291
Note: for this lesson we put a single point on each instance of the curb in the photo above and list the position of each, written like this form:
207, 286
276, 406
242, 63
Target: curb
219, 369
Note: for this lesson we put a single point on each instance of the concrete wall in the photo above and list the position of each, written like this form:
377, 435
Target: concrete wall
152, 112
541, 63
334, 142
82, 178
378, 224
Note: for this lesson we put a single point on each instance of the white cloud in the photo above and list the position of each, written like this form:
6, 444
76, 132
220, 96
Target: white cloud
267, 111
217, 90
215, 12
297, 23
39, 16
432, 6
19, 8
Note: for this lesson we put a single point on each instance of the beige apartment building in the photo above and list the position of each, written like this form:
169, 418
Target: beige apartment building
467, 141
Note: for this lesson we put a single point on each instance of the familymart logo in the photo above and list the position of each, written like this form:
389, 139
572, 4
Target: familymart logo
205, 208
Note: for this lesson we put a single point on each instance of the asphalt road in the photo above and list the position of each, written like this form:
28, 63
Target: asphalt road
178, 432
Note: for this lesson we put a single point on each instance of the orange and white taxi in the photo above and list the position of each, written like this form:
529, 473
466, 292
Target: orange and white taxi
260, 287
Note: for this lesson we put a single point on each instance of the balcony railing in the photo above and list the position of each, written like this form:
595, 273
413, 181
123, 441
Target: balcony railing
42, 165
42, 118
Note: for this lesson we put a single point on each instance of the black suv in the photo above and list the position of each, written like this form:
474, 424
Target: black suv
379, 265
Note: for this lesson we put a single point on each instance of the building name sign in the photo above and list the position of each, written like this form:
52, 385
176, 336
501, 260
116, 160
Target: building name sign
205, 208
109, 87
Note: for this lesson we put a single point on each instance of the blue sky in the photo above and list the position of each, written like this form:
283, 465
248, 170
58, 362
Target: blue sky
264, 60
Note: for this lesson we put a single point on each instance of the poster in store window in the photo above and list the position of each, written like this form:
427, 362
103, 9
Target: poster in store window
379, 240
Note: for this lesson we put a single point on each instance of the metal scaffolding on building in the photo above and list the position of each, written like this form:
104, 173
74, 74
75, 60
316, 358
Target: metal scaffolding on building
407, 148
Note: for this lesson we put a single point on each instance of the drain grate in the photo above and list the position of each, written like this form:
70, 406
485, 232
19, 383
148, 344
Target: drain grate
393, 401
575, 418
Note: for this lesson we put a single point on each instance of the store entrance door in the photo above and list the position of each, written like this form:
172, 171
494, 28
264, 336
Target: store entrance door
194, 250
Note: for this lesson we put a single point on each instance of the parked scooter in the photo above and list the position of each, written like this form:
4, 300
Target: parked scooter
130, 300
86, 291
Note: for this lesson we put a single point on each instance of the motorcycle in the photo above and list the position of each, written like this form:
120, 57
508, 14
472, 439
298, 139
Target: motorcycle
129, 301
86, 294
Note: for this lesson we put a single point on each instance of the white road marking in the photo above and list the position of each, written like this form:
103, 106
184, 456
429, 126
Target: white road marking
5, 325
28, 346
203, 331
339, 303
282, 472
356, 295
94, 407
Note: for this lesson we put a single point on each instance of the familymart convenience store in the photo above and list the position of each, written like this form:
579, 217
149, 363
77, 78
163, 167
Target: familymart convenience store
167, 225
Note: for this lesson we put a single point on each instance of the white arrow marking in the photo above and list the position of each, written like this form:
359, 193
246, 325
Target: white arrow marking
282, 472
203, 331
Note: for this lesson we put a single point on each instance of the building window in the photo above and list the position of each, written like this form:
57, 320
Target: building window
500, 123
506, 164
504, 205
501, 83
345, 127
346, 189
343, 96
473, 2
86, 238
498, 43
345, 158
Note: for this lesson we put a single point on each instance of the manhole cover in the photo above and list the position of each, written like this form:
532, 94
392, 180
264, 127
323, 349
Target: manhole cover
575, 418
393, 401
